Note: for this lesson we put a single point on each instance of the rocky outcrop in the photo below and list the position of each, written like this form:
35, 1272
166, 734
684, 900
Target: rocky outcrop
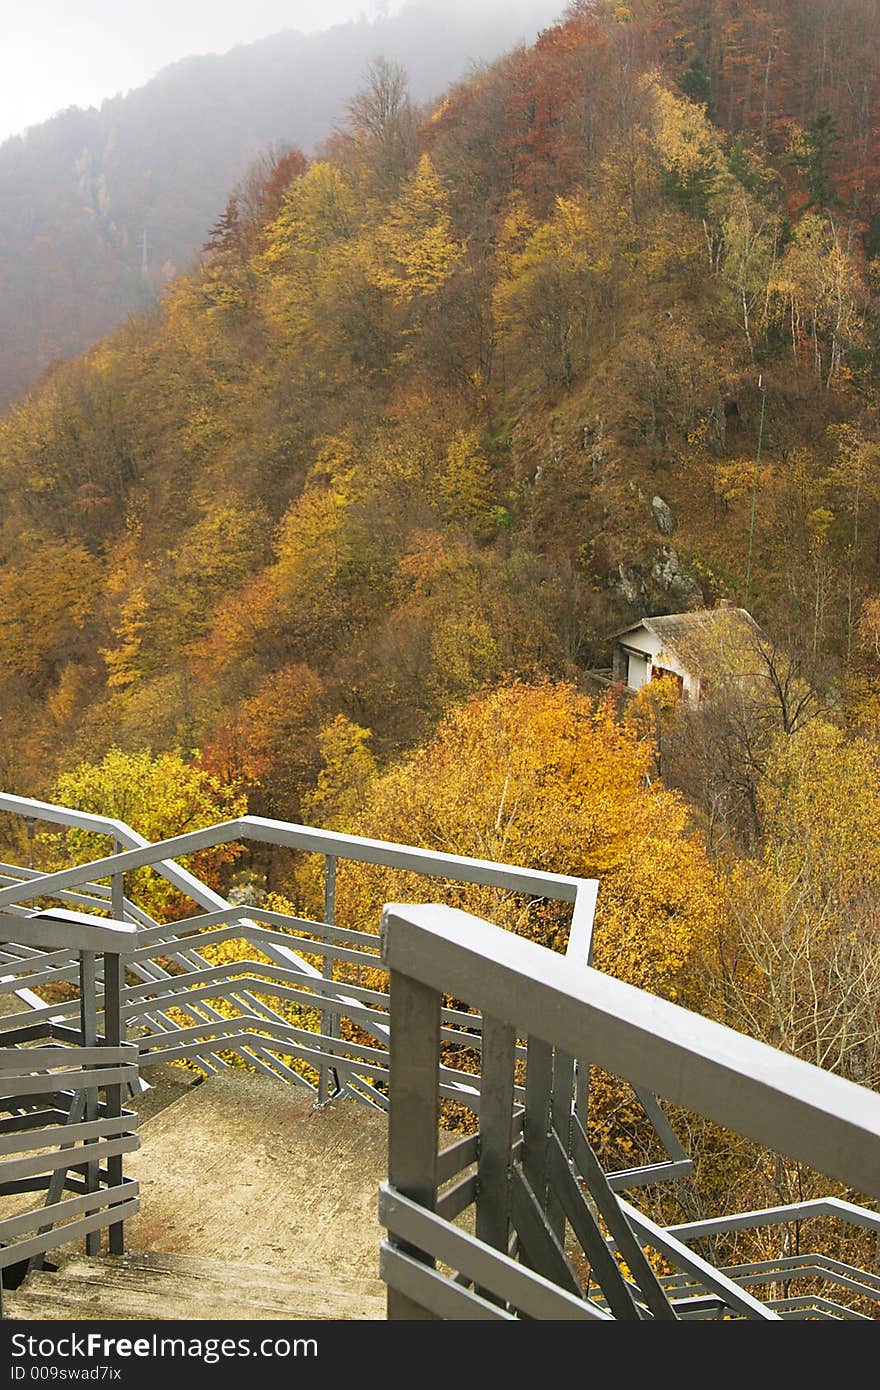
630, 584
670, 575
664, 586
663, 515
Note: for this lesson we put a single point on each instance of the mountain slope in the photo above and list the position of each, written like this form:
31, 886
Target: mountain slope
80, 193
467, 398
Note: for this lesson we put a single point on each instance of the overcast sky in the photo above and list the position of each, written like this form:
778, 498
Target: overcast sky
60, 53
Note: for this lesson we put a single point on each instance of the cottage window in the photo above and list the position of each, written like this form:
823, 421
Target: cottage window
659, 671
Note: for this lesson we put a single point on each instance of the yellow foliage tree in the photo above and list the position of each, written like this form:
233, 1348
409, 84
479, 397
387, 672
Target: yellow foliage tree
546, 303
817, 294
318, 210
800, 960
46, 603
416, 249
268, 743
465, 483
820, 804
123, 662
348, 768
546, 777
159, 796
687, 141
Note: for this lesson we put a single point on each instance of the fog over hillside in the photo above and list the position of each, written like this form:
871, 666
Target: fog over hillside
56, 54
99, 207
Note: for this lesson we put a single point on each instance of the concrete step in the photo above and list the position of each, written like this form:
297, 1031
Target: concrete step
151, 1287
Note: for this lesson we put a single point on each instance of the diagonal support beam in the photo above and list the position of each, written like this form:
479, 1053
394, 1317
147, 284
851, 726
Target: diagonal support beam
59, 1176
606, 1270
711, 1278
544, 1251
611, 1211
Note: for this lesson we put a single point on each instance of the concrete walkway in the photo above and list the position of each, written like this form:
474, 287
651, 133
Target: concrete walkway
252, 1201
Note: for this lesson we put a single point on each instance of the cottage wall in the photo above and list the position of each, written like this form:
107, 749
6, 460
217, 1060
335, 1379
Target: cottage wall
643, 651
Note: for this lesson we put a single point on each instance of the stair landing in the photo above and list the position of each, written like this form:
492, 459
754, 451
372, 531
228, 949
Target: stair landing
253, 1204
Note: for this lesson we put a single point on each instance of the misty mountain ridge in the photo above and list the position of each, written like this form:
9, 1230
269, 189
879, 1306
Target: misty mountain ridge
100, 207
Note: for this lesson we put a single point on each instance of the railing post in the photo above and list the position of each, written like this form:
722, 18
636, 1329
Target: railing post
117, 889
31, 824
114, 1033
329, 1018
414, 1117
88, 1014
536, 1121
496, 1125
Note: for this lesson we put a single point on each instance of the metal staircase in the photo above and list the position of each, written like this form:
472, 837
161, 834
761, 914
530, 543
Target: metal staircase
517, 1219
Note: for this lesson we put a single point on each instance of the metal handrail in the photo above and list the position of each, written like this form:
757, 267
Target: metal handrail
581, 893
788, 1105
566, 1010
133, 852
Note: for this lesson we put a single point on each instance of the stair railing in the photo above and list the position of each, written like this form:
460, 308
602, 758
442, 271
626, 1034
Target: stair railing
503, 1223
64, 1125
181, 1007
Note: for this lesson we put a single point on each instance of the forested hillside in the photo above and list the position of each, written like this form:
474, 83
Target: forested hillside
400, 433
341, 529
100, 208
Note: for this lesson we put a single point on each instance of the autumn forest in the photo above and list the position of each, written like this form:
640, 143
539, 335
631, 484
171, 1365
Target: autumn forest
340, 531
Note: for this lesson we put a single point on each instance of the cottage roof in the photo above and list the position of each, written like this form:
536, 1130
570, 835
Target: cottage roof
673, 629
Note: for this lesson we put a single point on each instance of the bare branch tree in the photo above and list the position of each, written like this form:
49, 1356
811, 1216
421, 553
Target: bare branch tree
383, 119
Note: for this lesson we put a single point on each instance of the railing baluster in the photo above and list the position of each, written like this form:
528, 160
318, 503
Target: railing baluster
88, 1011
560, 1123
582, 1090
563, 1086
113, 1034
329, 1018
414, 1114
31, 824
539, 1082
496, 1136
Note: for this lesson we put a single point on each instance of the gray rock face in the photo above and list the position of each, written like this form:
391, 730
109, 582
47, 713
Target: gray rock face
663, 515
631, 585
670, 575
666, 586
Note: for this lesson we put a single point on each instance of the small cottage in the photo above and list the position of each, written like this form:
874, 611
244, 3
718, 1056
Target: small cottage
680, 645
